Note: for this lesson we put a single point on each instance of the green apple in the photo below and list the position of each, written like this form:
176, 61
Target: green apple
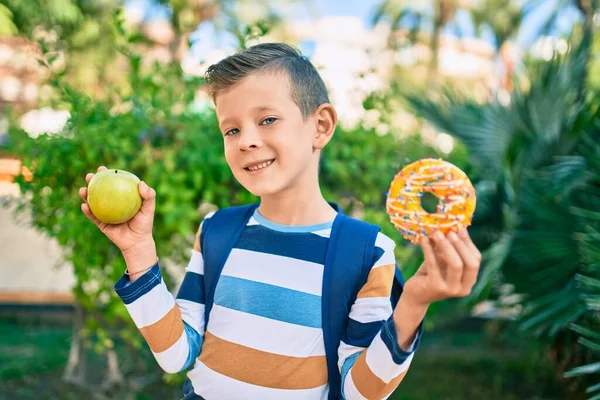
113, 196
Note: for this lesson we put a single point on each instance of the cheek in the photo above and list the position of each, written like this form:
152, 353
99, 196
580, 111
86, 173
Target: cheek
229, 152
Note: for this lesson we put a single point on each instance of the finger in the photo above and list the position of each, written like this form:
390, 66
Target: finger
149, 196
433, 268
101, 168
470, 262
89, 177
83, 193
88, 213
463, 234
449, 260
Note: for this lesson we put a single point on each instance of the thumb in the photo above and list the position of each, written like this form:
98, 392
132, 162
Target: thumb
146, 191
149, 196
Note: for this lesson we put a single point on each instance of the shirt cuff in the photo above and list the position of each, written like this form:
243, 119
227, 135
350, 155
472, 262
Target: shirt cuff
389, 336
130, 292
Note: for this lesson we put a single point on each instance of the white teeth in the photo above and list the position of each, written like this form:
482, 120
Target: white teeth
260, 166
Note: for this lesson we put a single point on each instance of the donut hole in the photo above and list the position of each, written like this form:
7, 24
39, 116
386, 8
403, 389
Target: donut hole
429, 202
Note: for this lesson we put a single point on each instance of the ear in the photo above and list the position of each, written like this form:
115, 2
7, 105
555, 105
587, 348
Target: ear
325, 119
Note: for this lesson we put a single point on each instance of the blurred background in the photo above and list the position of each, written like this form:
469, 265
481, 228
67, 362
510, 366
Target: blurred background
505, 89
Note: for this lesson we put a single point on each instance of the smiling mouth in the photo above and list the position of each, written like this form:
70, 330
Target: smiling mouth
259, 166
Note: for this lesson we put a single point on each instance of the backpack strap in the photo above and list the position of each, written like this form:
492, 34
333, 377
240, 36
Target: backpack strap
347, 265
225, 227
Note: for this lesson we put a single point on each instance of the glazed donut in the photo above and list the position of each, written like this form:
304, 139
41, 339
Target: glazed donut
444, 180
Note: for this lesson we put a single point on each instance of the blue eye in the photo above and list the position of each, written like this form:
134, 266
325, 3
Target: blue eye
269, 121
233, 131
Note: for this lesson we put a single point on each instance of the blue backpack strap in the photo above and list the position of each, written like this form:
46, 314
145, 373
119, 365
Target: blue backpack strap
347, 265
219, 234
350, 250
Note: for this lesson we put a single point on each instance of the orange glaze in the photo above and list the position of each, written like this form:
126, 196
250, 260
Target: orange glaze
447, 182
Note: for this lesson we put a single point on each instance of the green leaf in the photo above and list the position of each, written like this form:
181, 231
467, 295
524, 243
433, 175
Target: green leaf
583, 370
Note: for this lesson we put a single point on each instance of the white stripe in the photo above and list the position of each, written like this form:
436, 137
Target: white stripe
303, 276
152, 306
345, 351
192, 313
324, 233
212, 385
388, 245
381, 363
252, 221
172, 359
371, 309
350, 390
196, 263
266, 334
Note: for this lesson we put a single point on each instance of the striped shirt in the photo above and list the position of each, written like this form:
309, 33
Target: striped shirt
264, 338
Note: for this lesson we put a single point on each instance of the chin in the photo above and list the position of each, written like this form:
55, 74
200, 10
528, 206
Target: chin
263, 187
261, 190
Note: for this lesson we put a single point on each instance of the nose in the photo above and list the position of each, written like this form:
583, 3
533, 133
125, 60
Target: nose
249, 139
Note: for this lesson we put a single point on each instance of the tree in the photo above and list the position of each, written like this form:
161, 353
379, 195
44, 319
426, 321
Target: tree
503, 18
418, 15
537, 198
588, 9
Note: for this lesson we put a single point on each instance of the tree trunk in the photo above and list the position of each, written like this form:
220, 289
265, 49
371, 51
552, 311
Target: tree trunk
114, 376
435, 47
508, 64
444, 12
75, 370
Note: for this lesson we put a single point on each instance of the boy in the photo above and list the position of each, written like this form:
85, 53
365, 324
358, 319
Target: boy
264, 337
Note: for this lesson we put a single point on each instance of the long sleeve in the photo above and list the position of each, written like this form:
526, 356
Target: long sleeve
371, 362
172, 327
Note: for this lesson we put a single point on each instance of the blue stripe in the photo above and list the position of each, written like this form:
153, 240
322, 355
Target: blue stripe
377, 253
349, 363
130, 292
195, 343
311, 247
290, 228
188, 391
361, 335
390, 339
269, 301
192, 288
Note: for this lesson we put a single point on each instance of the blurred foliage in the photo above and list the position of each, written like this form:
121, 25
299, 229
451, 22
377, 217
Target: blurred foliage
81, 32
538, 195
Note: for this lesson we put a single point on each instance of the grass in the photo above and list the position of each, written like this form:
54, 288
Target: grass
450, 365
458, 365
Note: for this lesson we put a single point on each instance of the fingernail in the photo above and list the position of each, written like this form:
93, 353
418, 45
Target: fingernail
438, 235
452, 236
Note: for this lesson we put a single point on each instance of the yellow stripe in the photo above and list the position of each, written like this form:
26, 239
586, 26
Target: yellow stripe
164, 333
369, 384
261, 368
197, 241
379, 283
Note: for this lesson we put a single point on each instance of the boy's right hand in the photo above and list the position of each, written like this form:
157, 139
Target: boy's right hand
134, 237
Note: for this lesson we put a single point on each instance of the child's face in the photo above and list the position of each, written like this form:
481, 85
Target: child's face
268, 145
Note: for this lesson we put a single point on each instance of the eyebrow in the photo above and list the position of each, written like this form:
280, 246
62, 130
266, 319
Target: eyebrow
255, 109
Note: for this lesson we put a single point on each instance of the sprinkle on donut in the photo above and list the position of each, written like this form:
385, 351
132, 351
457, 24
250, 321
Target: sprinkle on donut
447, 182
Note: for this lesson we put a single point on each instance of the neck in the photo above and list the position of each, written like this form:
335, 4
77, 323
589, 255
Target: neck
300, 204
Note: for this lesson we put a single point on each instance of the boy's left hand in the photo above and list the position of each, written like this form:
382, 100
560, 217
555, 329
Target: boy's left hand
450, 269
